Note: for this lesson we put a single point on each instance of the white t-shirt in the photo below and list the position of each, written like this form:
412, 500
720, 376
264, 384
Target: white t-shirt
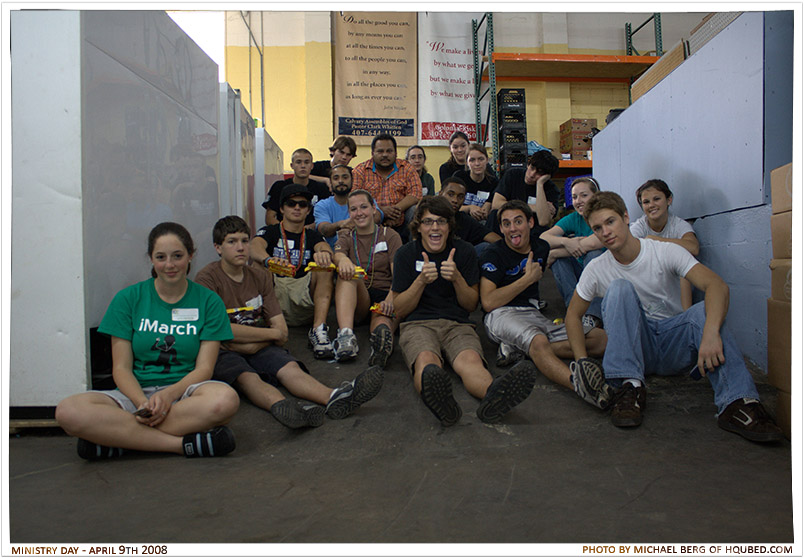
654, 273
676, 227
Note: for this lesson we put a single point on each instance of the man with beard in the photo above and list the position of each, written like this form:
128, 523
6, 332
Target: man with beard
393, 182
332, 214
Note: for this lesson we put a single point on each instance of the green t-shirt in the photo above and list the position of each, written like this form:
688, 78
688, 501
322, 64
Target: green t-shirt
165, 338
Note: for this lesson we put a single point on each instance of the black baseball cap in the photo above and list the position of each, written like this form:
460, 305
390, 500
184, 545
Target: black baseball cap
295, 190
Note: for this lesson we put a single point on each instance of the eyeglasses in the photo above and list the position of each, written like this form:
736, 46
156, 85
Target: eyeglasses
430, 222
297, 203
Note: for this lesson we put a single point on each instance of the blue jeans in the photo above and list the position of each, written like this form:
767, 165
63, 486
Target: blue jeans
639, 345
567, 271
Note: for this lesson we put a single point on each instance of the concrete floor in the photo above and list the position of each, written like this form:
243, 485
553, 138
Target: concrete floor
555, 471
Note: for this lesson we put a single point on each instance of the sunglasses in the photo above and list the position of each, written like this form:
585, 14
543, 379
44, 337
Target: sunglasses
297, 203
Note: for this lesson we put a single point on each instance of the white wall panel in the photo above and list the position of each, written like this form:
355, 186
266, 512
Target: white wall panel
700, 129
47, 339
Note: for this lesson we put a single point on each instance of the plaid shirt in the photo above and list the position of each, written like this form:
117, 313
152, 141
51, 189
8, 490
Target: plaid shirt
403, 181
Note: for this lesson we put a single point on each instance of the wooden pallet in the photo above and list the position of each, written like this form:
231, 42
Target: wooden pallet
17, 425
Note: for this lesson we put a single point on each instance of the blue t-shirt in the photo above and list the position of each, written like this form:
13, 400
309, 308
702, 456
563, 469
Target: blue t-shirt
575, 225
165, 338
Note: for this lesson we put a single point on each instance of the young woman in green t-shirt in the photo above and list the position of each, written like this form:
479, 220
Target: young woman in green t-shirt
165, 333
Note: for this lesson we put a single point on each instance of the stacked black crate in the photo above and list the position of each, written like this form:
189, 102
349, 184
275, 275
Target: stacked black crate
513, 135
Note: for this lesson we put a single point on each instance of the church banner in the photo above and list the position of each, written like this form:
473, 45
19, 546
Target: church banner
446, 76
375, 75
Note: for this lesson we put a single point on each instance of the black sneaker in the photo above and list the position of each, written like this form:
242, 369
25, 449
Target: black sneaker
297, 414
437, 395
216, 442
629, 404
350, 395
507, 391
749, 419
382, 345
93, 452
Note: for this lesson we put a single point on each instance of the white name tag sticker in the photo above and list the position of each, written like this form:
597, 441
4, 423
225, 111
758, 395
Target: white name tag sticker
531, 200
419, 265
255, 302
185, 314
381, 247
483, 196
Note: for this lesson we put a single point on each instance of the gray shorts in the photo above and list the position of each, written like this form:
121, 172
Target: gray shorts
126, 404
518, 325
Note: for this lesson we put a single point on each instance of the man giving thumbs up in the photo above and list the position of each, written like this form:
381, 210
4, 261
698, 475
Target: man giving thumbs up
435, 289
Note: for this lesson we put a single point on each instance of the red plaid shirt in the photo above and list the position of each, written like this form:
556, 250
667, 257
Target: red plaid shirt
403, 181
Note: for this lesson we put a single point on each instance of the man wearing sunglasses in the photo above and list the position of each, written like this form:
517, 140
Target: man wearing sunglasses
304, 297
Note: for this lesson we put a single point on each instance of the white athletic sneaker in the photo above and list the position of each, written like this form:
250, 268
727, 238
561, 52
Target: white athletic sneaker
318, 340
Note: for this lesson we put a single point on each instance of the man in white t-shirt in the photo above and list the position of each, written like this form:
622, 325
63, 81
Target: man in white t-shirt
648, 330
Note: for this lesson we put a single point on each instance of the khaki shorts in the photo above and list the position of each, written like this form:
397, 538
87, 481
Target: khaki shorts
446, 337
295, 299
517, 326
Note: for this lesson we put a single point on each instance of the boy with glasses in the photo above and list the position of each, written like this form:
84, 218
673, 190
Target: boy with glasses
435, 288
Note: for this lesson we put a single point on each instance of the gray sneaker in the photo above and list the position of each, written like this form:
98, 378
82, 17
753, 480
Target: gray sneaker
345, 345
350, 395
586, 375
297, 414
508, 355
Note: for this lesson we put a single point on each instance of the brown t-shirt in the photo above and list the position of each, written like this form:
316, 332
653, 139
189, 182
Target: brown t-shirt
388, 242
251, 302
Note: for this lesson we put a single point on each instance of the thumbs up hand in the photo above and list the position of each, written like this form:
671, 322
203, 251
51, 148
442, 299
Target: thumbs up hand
448, 269
429, 270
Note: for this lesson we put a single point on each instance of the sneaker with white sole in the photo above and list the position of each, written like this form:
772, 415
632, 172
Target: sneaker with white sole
592, 321
318, 341
508, 355
345, 345
350, 395
589, 382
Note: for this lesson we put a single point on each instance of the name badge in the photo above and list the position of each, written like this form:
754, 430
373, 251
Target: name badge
381, 247
531, 200
255, 302
483, 196
185, 314
419, 265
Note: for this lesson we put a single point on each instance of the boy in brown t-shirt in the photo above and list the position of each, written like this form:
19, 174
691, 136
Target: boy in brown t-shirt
254, 361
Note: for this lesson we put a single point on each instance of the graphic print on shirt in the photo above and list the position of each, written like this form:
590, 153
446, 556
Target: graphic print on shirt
167, 353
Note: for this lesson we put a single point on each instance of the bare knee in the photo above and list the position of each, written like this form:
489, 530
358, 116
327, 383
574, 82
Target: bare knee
223, 403
75, 413
539, 345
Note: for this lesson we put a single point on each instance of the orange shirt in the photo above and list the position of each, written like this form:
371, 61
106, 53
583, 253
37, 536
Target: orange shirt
403, 181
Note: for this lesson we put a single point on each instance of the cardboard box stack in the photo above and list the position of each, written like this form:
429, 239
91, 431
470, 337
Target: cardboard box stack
572, 134
779, 331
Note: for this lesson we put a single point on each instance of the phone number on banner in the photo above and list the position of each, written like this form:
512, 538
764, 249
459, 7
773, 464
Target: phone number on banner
350, 126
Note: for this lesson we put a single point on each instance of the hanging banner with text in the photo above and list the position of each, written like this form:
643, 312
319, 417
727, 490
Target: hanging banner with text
446, 76
375, 75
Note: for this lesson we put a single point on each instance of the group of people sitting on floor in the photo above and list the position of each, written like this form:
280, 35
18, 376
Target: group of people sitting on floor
398, 259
